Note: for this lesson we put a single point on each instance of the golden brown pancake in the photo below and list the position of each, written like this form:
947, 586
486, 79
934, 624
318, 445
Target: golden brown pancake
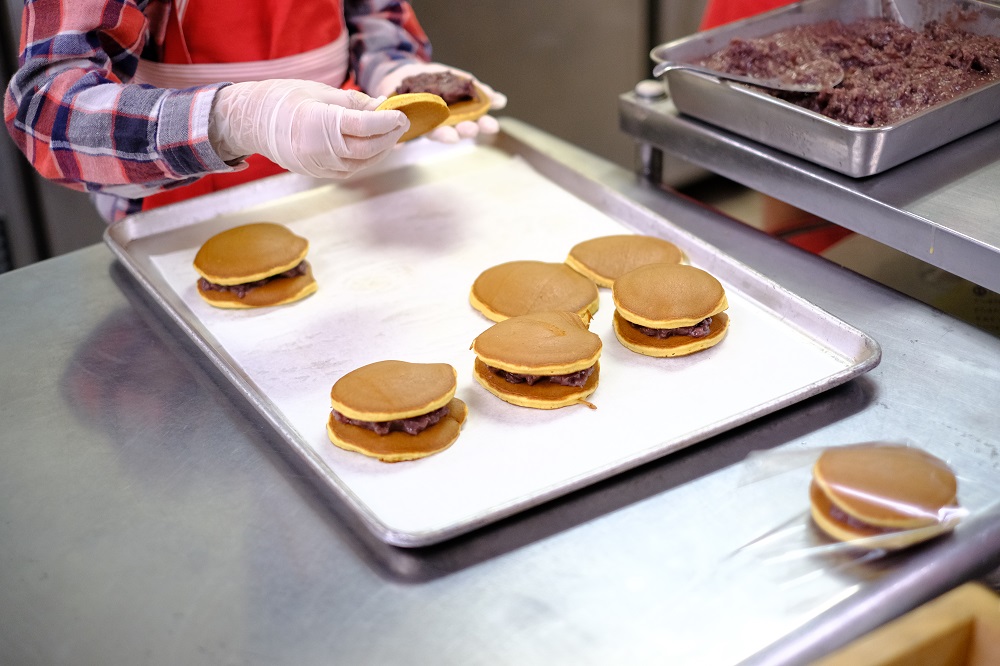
250, 253
424, 110
541, 344
606, 258
901, 494
387, 390
400, 446
395, 390
275, 292
522, 287
668, 296
675, 345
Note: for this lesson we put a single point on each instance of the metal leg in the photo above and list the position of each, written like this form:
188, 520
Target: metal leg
650, 162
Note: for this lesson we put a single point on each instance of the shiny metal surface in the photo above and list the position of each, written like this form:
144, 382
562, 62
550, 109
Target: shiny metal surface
939, 207
826, 351
850, 150
147, 516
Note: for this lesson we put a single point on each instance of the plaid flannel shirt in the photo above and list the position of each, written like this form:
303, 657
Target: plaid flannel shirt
72, 112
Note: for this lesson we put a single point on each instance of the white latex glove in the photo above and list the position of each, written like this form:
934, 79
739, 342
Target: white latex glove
303, 126
447, 134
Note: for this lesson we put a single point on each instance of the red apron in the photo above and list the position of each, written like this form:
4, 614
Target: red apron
206, 41
718, 12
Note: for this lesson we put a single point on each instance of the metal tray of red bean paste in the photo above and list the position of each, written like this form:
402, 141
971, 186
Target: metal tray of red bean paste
914, 45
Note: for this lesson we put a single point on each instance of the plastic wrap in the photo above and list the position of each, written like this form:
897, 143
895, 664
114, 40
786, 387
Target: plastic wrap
801, 538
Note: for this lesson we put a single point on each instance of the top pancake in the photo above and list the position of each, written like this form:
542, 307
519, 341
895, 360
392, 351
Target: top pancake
542, 343
523, 287
424, 110
862, 534
668, 295
387, 390
606, 258
886, 485
249, 252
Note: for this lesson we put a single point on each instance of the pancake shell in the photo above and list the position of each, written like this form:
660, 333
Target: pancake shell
606, 258
543, 395
668, 295
524, 287
275, 292
249, 252
387, 390
543, 343
424, 110
676, 345
469, 109
400, 446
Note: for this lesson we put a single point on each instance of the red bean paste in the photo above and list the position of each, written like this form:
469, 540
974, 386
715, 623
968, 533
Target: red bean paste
411, 426
699, 330
241, 289
890, 71
446, 85
576, 379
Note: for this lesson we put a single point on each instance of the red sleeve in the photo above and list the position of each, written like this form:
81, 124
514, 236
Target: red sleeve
718, 12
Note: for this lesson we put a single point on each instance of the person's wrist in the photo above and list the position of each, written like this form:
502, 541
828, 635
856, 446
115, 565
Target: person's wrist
220, 134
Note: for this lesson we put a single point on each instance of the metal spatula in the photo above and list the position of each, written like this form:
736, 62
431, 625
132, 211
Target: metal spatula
812, 77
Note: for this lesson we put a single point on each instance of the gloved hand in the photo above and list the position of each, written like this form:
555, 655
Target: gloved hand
446, 134
303, 126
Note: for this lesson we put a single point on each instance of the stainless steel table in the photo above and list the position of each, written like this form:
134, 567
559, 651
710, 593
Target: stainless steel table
146, 515
940, 207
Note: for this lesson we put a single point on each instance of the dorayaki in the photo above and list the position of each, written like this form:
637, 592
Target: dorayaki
396, 410
607, 258
669, 310
522, 287
900, 494
254, 265
543, 360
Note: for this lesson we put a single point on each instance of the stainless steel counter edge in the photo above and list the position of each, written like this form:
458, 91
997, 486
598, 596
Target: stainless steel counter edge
163, 526
936, 207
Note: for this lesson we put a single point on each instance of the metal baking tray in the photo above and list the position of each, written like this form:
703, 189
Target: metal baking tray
395, 253
853, 151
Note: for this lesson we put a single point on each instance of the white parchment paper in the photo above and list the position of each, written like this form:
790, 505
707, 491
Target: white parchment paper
394, 268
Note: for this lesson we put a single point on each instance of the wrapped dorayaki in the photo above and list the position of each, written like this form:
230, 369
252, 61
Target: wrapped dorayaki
882, 495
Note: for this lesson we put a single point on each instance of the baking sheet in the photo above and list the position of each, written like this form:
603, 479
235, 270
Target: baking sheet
853, 151
395, 255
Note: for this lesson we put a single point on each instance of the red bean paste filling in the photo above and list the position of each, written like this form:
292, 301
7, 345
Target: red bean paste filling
840, 516
699, 330
890, 71
577, 379
241, 289
445, 85
411, 426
